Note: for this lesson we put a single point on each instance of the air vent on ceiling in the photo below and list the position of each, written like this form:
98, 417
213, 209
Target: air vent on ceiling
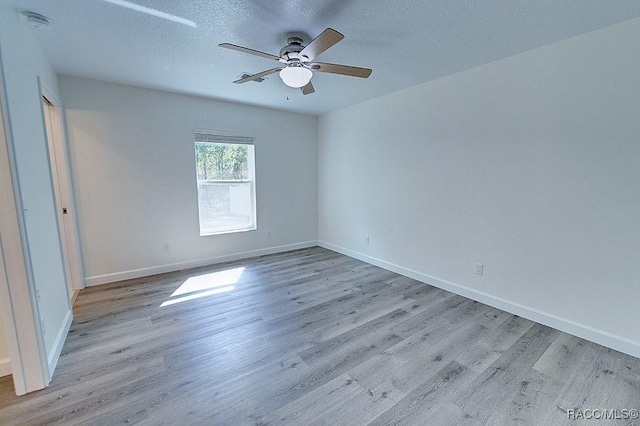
36, 20
257, 80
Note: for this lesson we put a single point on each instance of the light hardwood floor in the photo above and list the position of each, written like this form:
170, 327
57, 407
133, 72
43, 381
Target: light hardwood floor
314, 337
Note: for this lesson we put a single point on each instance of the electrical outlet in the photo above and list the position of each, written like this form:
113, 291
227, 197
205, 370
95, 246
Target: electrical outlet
479, 268
366, 240
165, 247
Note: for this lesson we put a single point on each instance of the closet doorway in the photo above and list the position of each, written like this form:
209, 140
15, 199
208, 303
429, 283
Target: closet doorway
61, 178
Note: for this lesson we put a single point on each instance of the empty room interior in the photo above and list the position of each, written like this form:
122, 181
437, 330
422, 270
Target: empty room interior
319, 212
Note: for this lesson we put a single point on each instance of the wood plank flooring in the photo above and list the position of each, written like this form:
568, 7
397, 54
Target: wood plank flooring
311, 337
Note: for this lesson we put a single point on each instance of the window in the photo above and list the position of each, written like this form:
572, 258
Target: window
225, 169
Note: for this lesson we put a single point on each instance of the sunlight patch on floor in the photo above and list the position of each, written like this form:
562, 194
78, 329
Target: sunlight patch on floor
205, 285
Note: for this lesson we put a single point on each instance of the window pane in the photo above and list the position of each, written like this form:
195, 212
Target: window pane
226, 191
224, 206
222, 161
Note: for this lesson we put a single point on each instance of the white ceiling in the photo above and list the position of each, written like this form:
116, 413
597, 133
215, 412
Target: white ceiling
405, 42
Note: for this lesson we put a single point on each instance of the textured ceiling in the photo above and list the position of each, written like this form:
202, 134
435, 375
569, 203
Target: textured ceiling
405, 42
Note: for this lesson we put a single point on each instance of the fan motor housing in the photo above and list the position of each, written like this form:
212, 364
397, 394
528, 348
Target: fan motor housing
294, 46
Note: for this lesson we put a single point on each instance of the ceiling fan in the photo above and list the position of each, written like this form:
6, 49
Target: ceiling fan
297, 61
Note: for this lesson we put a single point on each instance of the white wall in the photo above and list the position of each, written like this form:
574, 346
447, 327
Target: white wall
529, 165
132, 159
23, 63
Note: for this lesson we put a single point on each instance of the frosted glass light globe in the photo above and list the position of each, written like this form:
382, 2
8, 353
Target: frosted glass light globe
296, 76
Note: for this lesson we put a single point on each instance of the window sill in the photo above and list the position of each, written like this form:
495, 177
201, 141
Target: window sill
231, 231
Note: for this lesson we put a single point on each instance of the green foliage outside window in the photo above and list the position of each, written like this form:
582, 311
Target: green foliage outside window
221, 161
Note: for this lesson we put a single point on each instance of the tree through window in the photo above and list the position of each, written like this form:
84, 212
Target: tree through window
225, 171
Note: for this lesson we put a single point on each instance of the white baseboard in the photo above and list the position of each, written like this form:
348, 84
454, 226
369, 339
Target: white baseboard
161, 269
54, 355
592, 334
5, 367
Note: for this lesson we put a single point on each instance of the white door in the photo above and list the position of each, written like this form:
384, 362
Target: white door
63, 194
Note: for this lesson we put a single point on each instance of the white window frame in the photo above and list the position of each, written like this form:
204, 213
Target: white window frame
216, 137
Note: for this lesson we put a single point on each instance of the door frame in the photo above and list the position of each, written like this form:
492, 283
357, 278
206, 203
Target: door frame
18, 301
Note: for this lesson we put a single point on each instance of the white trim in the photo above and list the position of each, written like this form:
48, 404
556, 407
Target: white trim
592, 334
161, 269
17, 298
54, 355
5, 367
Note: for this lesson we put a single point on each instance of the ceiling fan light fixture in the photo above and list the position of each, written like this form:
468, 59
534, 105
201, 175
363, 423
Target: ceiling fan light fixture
296, 76
295, 61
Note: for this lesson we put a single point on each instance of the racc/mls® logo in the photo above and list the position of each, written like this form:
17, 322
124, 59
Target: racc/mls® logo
601, 414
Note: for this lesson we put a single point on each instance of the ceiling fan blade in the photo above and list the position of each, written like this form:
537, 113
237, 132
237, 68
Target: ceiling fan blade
250, 51
308, 89
341, 69
256, 76
325, 40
